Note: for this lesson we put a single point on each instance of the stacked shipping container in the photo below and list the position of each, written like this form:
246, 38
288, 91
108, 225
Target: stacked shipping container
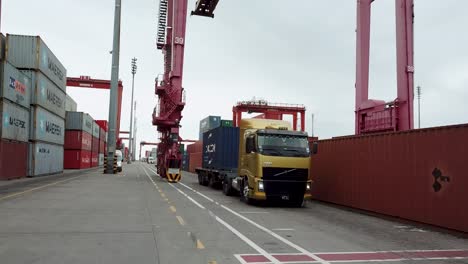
47, 99
194, 153
15, 98
78, 140
102, 140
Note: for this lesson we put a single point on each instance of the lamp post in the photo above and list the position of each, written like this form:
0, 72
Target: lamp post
130, 139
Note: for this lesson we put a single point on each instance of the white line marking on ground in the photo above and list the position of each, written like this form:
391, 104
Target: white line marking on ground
283, 229
253, 212
201, 194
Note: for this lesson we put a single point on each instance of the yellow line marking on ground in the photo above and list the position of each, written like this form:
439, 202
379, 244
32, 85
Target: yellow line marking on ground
181, 220
173, 209
200, 244
212, 262
163, 195
36, 188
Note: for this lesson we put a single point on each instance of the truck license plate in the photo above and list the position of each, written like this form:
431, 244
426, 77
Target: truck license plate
285, 197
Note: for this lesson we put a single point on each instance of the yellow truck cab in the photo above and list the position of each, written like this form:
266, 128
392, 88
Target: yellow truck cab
273, 162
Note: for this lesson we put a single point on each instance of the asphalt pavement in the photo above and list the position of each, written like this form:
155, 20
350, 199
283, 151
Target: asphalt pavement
137, 217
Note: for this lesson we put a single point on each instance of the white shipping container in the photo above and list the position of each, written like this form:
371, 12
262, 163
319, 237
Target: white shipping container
70, 104
30, 52
46, 126
15, 121
46, 94
15, 86
44, 159
96, 130
79, 121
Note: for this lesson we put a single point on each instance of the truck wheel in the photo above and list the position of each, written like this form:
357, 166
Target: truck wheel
227, 188
211, 181
205, 180
245, 191
299, 203
199, 179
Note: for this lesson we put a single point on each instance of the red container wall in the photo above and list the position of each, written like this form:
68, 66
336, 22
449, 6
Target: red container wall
102, 134
77, 159
94, 160
420, 175
195, 161
78, 140
101, 147
13, 159
195, 147
103, 124
95, 145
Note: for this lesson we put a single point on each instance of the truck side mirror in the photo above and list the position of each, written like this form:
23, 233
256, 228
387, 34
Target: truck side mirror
315, 147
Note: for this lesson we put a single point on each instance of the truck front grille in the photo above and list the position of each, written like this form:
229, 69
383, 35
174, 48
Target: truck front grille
285, 174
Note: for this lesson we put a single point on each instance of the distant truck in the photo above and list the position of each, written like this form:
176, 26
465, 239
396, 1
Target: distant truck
261, 160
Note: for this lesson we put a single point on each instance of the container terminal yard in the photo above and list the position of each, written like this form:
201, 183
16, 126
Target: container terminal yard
228, 136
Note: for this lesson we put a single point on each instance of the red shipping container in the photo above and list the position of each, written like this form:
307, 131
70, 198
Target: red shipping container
95, 145
102, 134
79, 140
418, 175
195, 161
101, 146
94, 160
13, 159
195, 147
77, 159
103, 124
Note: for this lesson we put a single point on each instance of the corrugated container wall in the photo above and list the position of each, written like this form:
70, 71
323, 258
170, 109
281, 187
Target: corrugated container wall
103, 124
45, 159
96, 130
77, 159
95, 145
16, 86
195, 161
94, 160
15, 124
79, 121
70, 104
418, 175
221, 148
13, 159
30, 52
209, 123
46, 94
46, 127
102, 134
195, 147
2, 46
78, 140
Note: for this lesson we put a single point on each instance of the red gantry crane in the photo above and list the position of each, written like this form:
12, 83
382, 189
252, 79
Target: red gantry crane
371, 115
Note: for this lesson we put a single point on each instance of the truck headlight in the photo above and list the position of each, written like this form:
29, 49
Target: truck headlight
308, 186
260, 186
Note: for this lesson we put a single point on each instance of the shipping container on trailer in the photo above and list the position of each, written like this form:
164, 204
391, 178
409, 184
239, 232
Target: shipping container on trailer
79, 121
46, 94
70, 104
419, 175
221, 148
15, 86
96, 130
103, 124
13, 159
95, 145
101, 159
30, 52
46, 126
94, 160
79, 140
15, 123
208, 123
77, 159
44, 159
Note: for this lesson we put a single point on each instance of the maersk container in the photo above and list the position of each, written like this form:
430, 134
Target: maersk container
15, 86
2, 47
30, 52
95, 145
221, 148
94, 160
79, 140
96, 130
13, 159
46, 126
15, 121
46, 94
79, 121
44, 159
77, 159
209, 123
70, 104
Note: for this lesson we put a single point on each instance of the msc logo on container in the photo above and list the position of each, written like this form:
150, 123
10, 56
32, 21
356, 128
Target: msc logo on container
17, 86
12, 121
211, 148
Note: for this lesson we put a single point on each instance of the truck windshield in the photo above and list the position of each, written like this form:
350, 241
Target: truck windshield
283, 145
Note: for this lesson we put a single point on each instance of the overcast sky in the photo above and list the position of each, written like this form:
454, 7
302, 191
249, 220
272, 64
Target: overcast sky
300, 53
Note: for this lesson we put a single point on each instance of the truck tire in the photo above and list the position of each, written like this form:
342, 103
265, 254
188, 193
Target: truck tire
200, 179
227, 188
205, 179
244, 191
212, 181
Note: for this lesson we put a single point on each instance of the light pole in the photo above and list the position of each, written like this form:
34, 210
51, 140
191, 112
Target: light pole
130, 145
111, 136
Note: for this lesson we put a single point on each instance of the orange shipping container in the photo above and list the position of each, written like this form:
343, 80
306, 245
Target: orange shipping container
195, 161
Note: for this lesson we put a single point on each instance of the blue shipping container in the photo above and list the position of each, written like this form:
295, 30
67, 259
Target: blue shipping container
221, 148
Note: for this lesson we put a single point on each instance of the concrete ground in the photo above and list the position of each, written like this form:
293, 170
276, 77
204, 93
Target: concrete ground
136, 217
